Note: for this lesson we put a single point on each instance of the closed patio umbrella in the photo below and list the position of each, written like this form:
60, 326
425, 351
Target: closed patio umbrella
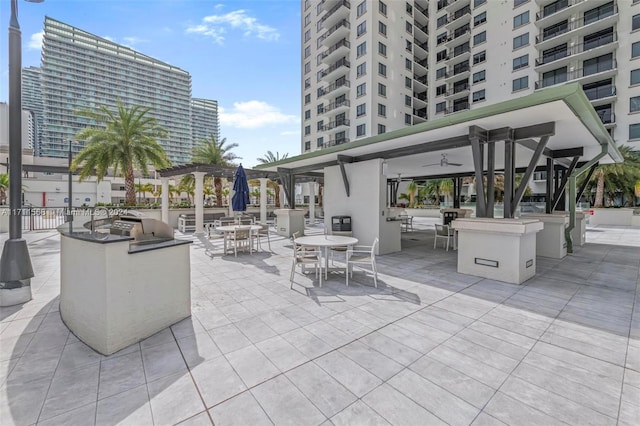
240, 199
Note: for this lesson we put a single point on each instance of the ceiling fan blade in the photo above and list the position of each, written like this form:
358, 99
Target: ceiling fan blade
429, 165
455, 164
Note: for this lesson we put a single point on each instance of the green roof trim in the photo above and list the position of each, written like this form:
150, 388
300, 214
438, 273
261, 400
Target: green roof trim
571, 93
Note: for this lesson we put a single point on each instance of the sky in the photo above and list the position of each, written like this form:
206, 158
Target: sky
244, 54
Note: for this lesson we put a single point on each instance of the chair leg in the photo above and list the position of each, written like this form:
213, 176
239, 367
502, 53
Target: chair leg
375, 274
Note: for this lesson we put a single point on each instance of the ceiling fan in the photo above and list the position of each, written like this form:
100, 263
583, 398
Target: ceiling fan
444, 162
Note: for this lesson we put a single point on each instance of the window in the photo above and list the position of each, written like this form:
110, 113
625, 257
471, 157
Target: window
307, 36
634, 131
520, 83
361, 110
382, 49
441, 21
407, 64
441, 73
307, 19
307, 52
362, 8
408, 27
407, 119
478, 96
307, 145
441, 90
307, 83
307, 67
320, 142
382, 28
480, 19
599, 64
409, 9
361, 29
555, 30
361, 49
382, 129
307, 130
319, 92
520, 62
382, 8
479, 76
598, 39
361, 129
634, 104
521, 40
479, 38
517, 3
477, 3
440, 107
441, 38
408, 46
307, 98
442, 4
521, 19
361, 90
598, 13
361, 69
382, 110
407, 100
441, 55
307, 114
407, 82
635, 22
319, 125
382, 89
382, 69
480, 57
635, 77
556, 76
320, 109
635, 49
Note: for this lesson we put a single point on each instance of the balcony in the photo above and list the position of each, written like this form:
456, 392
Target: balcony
459, 17
336, 13
421, 50
460, 52
460, 71
420, 67
595, 47
338, 106
460, 35
336, 125
551, 14
336, 67
333, 142
458, 90
564, 33
340, 48
421, 33
583, 75
600, 95
420, 99
421, 15
336, 88
335, 33
453, 5
420, 83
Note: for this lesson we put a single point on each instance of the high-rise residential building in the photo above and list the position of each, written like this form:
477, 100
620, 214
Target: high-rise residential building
364, 64
81, 70
204, 119
32, 102
28, 127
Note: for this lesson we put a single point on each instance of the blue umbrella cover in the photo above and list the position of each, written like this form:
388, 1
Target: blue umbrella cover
240, 199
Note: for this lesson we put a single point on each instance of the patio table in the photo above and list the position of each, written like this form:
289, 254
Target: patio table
229, 229
326, 242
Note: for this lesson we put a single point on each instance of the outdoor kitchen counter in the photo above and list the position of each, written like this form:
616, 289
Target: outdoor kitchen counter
114, 292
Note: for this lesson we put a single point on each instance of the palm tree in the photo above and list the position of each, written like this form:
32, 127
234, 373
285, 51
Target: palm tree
212, 152
270, 157
4, 186
412, 188
125, 139
143, 188
435, 188
256, 195
609, 179
224, 193
188, 186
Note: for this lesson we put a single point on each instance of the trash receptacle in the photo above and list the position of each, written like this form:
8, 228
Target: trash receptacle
449, 217
341, 223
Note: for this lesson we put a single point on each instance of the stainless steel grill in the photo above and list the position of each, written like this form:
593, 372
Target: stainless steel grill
142, 230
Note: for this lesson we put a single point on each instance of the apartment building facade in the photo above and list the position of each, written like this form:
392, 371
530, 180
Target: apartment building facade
377, 66
204, 119
81, 70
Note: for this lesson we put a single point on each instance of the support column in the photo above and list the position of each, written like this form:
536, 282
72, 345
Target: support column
312, 202
509, 177
283, 197
572, 213
549, 195
199, 200
491, 187
478, 163
164, 202
231, 192
263, 200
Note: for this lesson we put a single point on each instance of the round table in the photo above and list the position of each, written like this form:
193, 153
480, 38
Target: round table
326, 242
228, 229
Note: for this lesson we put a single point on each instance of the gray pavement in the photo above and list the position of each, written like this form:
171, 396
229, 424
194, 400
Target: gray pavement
429, 346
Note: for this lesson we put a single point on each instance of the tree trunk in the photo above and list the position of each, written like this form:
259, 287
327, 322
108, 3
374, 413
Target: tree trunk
129, 187
217, 183
599, 191
277, 196
320, 195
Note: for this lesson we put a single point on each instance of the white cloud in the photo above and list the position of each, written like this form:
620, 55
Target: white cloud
290, 133
130, 41
215, 26
254, 114
35, 41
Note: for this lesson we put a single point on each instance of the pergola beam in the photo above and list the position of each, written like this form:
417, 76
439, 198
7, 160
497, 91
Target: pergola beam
342, 160
563, 183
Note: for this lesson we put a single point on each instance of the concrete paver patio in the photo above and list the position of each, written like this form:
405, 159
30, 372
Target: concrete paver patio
429, 346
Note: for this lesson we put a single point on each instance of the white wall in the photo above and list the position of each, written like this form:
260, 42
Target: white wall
365, 205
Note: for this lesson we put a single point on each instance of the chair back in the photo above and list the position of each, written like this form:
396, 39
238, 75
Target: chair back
442, 230
242, 232
374, 246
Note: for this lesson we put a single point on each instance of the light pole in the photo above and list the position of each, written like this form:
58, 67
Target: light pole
70, 216
15, 264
